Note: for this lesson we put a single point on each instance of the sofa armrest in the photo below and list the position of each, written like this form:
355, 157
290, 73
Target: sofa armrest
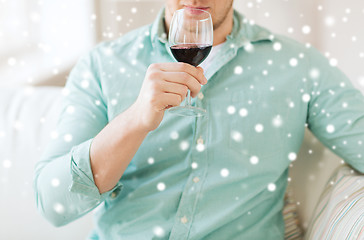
339, 213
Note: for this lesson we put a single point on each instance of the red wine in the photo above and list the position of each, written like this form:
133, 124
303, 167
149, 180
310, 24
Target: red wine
190, 53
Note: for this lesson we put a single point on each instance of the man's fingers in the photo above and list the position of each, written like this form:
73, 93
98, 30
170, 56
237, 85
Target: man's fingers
170, 100
183, 79
197, 73
176, 88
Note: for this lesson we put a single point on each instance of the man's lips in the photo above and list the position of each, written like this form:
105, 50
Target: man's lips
196, 8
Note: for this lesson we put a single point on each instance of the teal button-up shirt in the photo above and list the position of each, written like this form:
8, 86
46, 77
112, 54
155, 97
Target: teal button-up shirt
222, 176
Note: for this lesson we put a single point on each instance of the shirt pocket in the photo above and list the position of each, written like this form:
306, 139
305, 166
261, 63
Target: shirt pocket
229, 121
243, 109
256, 125
247, 130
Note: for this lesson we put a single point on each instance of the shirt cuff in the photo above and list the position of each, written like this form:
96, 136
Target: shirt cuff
81, 174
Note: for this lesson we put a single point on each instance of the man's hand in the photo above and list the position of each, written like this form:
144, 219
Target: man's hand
165, 85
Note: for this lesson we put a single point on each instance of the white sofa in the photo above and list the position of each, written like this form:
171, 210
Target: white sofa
27, 118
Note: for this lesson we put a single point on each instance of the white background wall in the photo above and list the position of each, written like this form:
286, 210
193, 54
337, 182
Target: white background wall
336, 29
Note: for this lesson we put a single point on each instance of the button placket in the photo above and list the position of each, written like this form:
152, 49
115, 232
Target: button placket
193, 187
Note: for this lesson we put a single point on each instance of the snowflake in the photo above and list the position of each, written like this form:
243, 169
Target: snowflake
114, 102
306, 97
292, 156
194, 165
237, 136
238, 70
259, 128
330, 128
293, 62
224, 172
306, 29
254, 160
158, 231
67, 137
231, 110
200, 147
249, 47
277, 46
55, 182
54, 134
58, 208
85, 84
333, 62
174, 135
315, 73
277, 121
271, 187
184, 145
151, 160
161, 186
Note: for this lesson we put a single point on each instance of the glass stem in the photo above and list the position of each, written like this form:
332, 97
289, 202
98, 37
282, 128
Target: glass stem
188, 102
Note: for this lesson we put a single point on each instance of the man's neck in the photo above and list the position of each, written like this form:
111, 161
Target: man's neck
224, 29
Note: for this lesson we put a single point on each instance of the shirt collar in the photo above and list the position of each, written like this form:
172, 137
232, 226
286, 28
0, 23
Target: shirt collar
158, 32
243, 31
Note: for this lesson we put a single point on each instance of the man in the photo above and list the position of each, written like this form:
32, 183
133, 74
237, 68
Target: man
155, 175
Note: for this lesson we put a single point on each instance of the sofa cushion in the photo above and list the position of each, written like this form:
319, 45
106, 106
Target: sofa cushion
28, 117
292, 224
339, 213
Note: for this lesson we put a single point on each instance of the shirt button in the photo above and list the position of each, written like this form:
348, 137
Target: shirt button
115, 193
200, 95
196, 179
200, 141
184, 220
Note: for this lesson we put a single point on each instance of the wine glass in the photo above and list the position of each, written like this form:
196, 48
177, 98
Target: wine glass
190, 40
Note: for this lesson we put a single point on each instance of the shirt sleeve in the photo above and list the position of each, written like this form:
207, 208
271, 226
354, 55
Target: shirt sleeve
336, 111
64, 186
